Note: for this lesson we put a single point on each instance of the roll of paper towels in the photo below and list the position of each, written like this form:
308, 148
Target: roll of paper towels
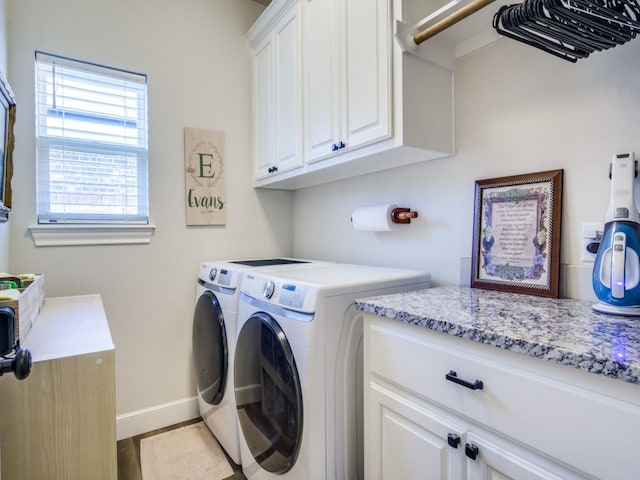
374, 219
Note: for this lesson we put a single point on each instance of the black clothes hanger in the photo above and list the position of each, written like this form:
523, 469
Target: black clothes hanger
570, 29
509, 22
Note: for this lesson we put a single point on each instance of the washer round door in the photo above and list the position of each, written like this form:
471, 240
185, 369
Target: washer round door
268, 393
210, 350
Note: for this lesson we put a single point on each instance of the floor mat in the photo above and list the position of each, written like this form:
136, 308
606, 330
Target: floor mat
186, 453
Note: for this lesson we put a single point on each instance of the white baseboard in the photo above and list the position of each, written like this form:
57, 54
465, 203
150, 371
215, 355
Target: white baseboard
153, 418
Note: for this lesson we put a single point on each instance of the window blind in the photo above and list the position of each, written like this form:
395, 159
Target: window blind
92, 153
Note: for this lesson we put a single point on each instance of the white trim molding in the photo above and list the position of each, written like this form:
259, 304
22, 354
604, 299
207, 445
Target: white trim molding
47, 235
158, 416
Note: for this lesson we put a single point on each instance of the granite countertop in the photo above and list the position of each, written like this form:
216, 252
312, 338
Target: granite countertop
565, 331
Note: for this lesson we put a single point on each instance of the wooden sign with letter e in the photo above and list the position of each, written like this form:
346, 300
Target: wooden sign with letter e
206, 201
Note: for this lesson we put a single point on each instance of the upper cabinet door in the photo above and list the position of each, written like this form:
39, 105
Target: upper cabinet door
278, 98
346, 75
367, 71
288, 78
321, 79
263, 96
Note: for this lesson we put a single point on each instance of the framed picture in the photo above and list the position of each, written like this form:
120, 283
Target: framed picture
516, 233
7, 121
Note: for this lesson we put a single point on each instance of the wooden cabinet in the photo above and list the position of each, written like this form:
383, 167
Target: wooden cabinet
277, 98
530, 419
59, 423
365, 105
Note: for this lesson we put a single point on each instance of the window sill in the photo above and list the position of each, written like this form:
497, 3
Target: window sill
65, 234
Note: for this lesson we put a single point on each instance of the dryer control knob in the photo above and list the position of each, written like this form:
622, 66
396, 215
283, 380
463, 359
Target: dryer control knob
269, 288
212, 274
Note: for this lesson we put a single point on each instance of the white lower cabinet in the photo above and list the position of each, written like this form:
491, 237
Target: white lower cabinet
442, 407
408, 441
497, 460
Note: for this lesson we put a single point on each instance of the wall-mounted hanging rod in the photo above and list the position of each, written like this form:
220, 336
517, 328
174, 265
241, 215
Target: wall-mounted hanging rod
450, 20
409, 37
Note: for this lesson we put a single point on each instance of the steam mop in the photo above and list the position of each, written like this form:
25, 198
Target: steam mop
616, 272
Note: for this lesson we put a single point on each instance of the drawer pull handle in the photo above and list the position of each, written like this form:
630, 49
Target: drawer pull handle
453, 439
471, 450
453, 377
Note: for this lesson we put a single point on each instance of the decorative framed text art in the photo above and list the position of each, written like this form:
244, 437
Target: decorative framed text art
7, 121
205, 201
516, 233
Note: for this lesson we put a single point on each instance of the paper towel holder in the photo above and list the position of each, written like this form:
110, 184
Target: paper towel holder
403, 215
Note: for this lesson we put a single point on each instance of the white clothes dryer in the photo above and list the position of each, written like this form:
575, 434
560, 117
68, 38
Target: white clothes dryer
213, 341
298, 369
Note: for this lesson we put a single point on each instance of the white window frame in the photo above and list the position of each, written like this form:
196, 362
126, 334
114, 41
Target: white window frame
92, 229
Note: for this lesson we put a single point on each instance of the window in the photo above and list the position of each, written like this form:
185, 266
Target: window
91, 129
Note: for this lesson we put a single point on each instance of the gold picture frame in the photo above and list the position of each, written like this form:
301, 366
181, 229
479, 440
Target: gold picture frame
516, 234
7, 122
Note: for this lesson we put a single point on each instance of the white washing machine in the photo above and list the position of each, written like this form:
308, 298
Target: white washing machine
213, 340
298, 369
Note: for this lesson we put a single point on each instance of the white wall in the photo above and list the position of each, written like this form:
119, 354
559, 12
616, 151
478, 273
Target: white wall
4, 227
518, 110
198, 68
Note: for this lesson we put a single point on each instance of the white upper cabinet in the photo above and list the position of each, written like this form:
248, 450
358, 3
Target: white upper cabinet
367, 77
263, 97
322, 86
364, 105
277, 97
346, 81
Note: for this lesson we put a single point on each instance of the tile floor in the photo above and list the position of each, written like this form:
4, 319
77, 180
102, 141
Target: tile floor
129, 456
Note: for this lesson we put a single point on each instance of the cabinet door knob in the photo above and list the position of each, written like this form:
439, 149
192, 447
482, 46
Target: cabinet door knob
471, 450
453, 377
453, 439
337, 146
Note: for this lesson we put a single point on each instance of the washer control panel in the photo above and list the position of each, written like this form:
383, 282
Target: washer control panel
216, 274
293, 296
226, 277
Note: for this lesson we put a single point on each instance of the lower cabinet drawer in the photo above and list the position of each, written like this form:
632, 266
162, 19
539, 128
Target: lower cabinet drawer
588, 431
